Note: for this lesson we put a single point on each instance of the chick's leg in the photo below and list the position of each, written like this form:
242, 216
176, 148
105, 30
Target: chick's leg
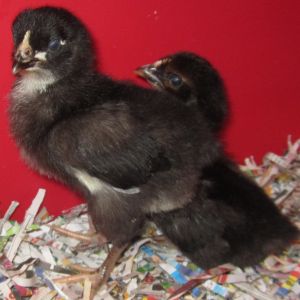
90, 239
98, 277
96, 239
107, 267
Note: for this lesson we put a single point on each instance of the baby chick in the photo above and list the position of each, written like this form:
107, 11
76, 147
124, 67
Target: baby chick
194, 81
129, 151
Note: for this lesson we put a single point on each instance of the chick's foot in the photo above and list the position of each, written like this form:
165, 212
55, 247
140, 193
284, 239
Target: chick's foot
89, 240
106, 268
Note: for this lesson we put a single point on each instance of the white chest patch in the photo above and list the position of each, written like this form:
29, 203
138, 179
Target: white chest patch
34, 81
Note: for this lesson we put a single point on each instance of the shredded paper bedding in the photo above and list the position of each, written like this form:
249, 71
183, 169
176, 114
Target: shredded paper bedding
39, 262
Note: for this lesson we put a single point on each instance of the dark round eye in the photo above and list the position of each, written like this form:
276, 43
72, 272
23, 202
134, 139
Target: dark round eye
54, 45
175, 80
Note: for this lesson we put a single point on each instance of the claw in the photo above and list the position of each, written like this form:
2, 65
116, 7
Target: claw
107, 267
99, 278
73, 234
89, 240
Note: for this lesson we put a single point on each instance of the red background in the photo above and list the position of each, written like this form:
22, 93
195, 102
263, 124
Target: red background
254, 44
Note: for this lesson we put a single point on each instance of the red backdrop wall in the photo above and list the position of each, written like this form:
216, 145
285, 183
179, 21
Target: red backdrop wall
254, 44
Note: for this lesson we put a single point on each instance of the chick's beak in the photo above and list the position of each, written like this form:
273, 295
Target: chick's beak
24, 56
152, 74
20, 66
22, 62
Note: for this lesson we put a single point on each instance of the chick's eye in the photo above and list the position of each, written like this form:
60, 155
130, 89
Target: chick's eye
175, 80
54, 45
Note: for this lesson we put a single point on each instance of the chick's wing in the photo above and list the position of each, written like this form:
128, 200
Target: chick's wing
119, 152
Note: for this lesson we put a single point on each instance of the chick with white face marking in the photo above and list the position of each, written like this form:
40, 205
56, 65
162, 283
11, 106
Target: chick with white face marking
35, 78
193, 80
120, 146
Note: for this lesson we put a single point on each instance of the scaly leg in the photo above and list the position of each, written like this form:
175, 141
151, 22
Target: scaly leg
107, 267
89, 240
98, 278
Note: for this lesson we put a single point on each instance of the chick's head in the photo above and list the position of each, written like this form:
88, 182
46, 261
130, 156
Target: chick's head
50, 40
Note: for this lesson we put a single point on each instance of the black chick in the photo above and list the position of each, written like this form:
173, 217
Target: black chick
128, 151
193, 80
230, 218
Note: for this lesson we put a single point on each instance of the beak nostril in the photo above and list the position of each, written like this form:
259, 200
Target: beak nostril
27, 52
23, 54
